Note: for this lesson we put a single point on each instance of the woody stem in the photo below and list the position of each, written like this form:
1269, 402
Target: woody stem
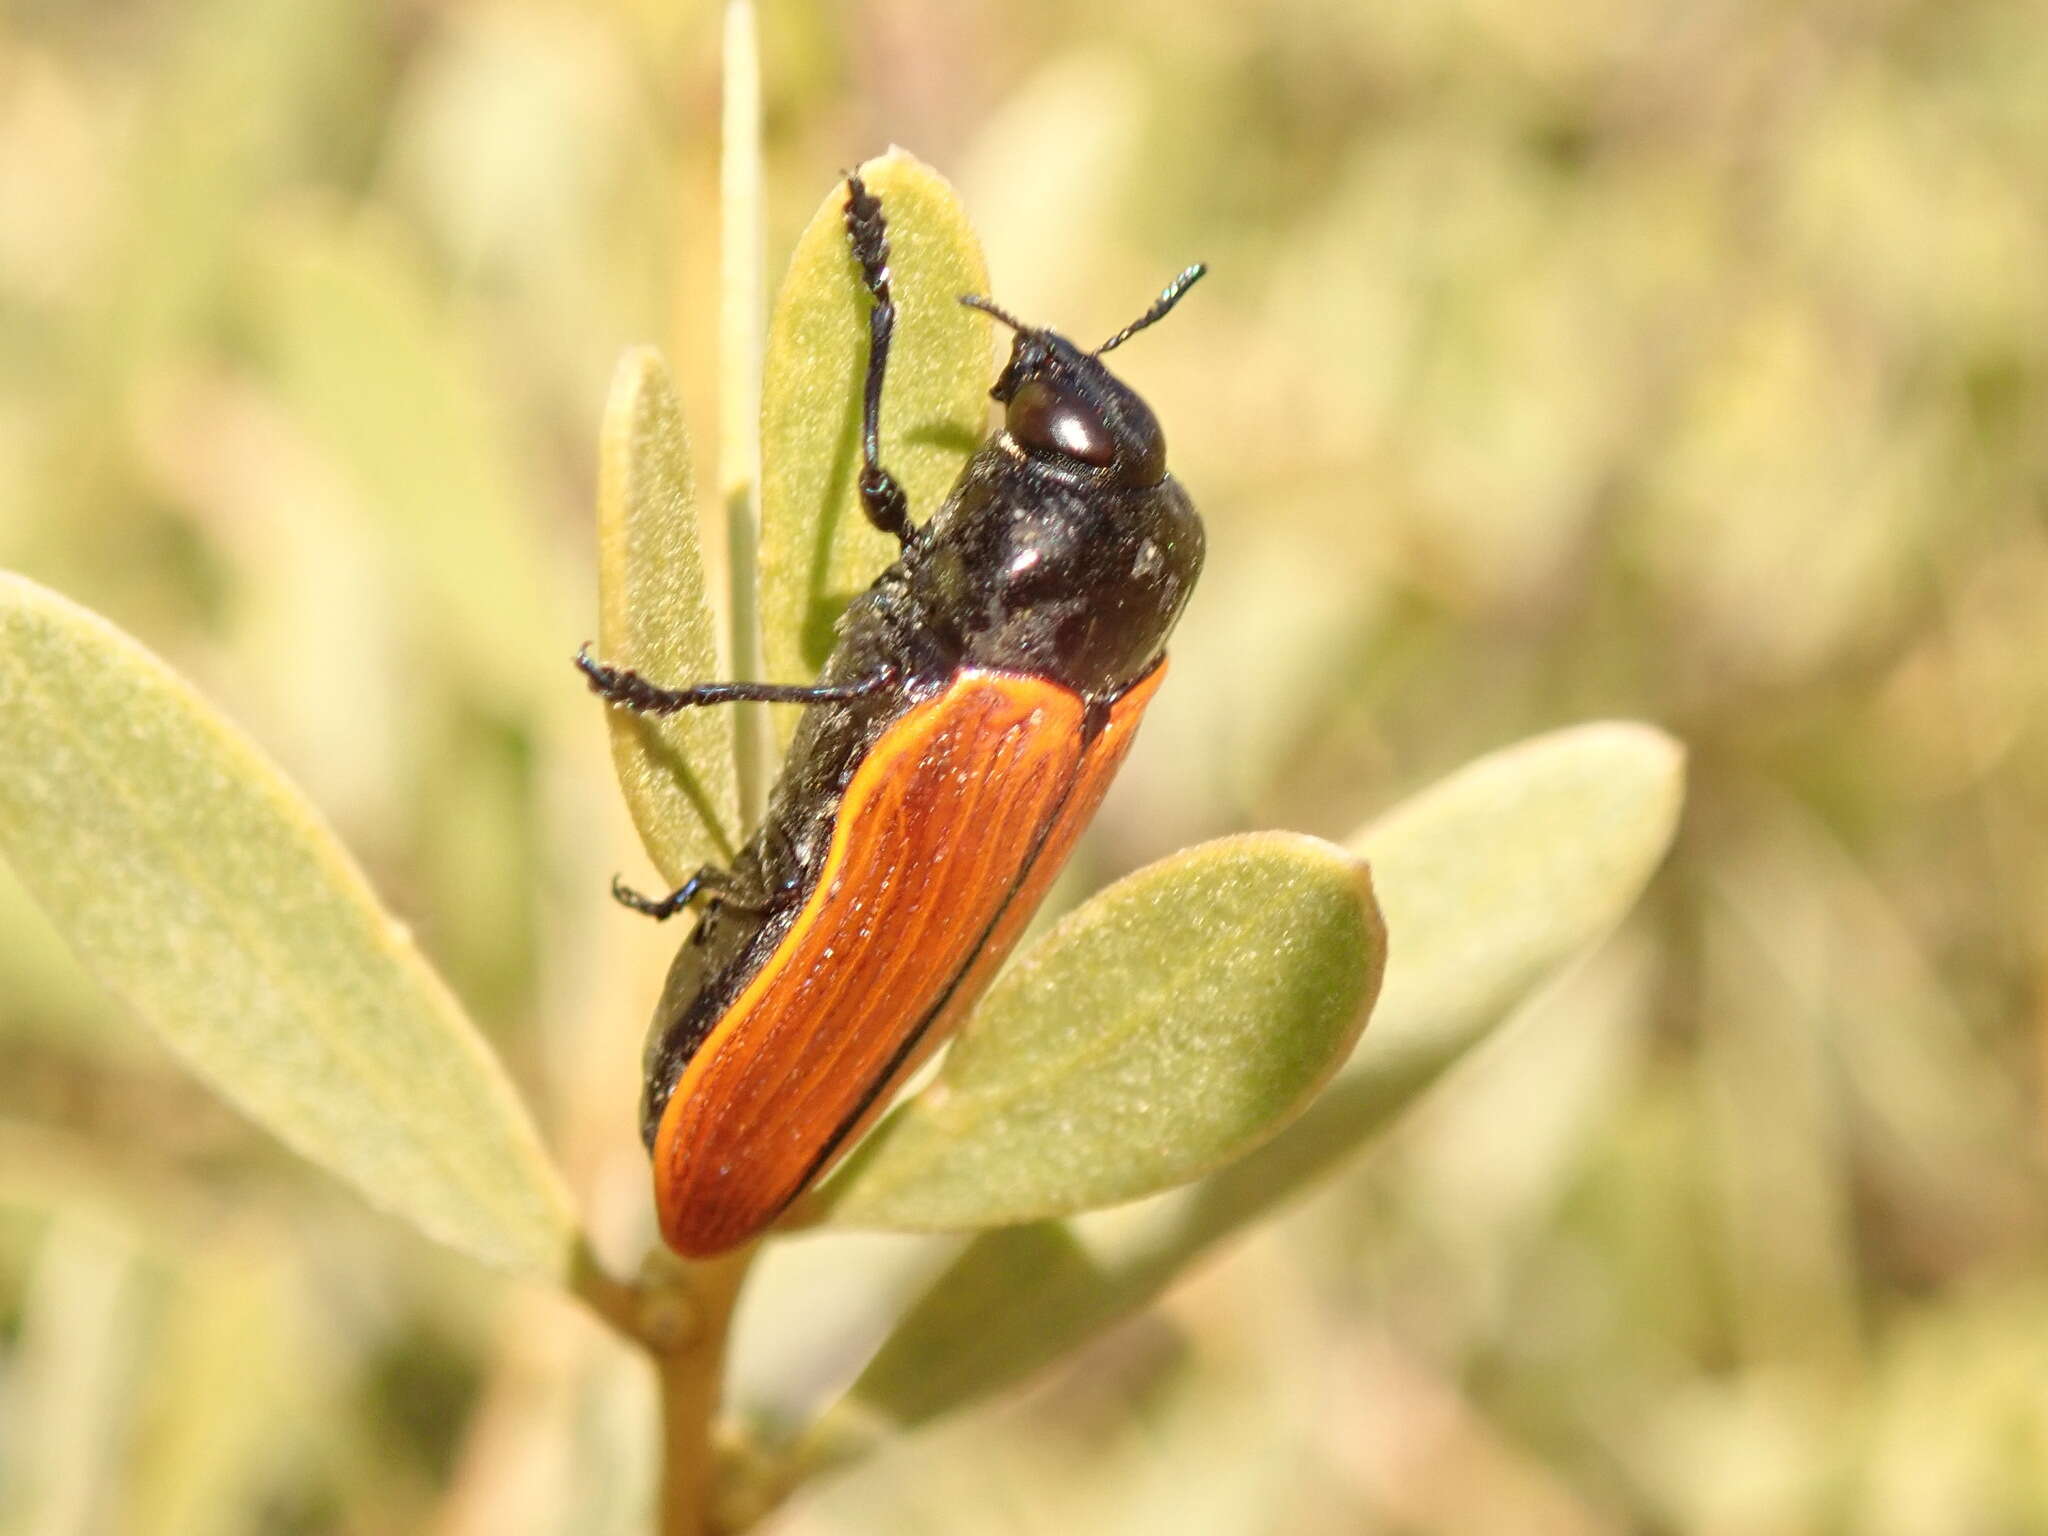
681, 1315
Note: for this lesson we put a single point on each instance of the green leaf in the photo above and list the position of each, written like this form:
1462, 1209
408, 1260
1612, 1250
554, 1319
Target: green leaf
655, 617
1491, 883
959, 1343
817, 550
1501, 874
195, 883
1166, 1027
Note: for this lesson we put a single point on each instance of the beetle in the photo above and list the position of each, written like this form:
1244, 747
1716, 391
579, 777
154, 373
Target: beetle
978, 699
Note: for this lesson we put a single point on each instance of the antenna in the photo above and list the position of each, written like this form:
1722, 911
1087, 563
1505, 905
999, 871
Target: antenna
1168, 297
989, 307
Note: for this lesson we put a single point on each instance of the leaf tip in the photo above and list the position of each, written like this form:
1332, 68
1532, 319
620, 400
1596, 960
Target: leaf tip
1655, 758
637, 365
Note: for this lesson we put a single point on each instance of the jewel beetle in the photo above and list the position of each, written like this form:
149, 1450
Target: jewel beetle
978, 699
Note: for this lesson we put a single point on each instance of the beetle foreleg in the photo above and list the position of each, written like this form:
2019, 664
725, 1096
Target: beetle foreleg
627, 688
709, 883
881, 498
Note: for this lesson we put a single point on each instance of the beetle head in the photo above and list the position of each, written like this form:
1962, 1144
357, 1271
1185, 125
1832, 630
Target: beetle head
1064, 408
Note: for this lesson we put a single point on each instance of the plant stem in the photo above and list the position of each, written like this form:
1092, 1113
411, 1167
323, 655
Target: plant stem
614, 1300
741, 329
691, 1371
681, 1314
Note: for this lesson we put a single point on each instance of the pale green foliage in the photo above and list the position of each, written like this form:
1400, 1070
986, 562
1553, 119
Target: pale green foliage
655, 616
1176, 1028
1167, 1026
1500, 873
1509, 402
198, 887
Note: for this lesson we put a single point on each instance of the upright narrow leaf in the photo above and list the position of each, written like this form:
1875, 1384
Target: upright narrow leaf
817, 551
655, 617
196, 884
1491, 882
742, 267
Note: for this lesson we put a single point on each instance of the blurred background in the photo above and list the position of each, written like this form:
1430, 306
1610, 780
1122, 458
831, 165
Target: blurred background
1686, 362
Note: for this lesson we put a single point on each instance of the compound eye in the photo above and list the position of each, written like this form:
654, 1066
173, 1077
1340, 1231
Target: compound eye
1047, 419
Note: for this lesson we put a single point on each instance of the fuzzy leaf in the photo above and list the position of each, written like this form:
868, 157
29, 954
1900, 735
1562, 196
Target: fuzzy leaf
655, 616
1169, 1025
1491, 882
196, 884
817, 550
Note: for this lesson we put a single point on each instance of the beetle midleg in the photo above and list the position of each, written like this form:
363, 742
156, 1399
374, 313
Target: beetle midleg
623, 686
711, 883
881, 498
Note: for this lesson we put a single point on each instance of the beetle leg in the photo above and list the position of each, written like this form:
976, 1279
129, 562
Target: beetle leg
710, 883
629, 689
881, 498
